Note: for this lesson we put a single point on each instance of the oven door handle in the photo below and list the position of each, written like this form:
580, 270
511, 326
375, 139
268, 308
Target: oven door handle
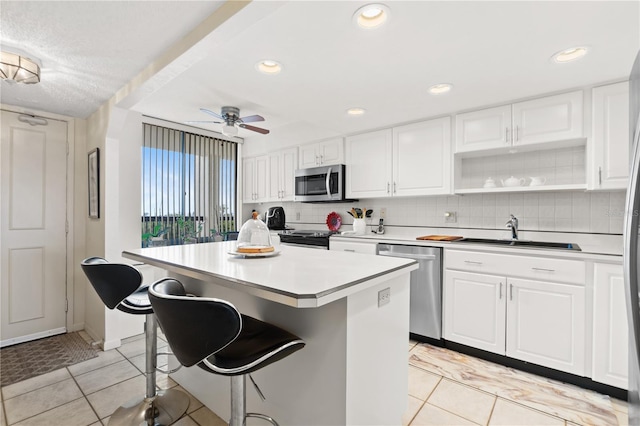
327, 182
409, 256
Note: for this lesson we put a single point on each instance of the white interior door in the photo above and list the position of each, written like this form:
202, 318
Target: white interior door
33, 250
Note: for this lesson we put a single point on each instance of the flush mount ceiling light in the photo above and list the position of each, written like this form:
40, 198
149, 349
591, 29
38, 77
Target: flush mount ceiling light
439, 89
18, 67
356, 111
570, 54
269, 67
371, 16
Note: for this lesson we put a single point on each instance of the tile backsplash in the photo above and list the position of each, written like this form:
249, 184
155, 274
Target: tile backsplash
566, 211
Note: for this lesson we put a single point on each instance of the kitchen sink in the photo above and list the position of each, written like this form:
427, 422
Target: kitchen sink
522, 243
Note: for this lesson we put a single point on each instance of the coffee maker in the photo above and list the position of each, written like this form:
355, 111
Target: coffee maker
275, 218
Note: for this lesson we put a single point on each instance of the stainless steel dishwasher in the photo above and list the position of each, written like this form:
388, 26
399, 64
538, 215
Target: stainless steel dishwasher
425, 312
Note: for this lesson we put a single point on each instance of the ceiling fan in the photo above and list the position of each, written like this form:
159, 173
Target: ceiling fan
230, 116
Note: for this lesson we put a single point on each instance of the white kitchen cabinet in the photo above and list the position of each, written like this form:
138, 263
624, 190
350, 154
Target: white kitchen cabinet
321, 153
609, 151
610, 328
255, 179
549, 119
527, 308
353, 246
404, 161
474, 306
546, 324
282, 167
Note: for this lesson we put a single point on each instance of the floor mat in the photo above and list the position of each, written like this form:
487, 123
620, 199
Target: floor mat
25, 360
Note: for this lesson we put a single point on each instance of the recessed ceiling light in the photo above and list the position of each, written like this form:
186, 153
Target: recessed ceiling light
570, 54
269, 66
371, 16
356, 111
438, 89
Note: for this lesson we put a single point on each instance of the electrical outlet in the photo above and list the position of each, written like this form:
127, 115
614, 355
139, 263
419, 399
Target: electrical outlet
450, 217
384, 296
383, 213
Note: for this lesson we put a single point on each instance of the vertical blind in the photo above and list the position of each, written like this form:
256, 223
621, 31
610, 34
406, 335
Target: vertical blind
188, 185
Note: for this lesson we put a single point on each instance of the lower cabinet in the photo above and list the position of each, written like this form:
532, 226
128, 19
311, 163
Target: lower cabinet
353, 246
610, 327
534, 321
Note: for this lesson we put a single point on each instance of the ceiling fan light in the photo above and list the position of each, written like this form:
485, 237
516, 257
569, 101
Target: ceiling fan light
229, 130
441, 88
269, 67
17, 68
371, 16
570, 54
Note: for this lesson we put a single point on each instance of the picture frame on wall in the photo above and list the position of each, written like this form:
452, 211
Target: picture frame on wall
94, 183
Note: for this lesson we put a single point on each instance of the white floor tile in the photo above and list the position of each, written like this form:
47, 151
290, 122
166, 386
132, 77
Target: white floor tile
194, 403
206, 417
421, 382
74, 413
106, 376
463, 401
38, 401
34, 383
413, 406
107, 400
507, 413
103, 359
186, 421
431, 415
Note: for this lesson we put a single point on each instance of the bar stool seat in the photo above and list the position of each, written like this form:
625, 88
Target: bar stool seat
213, 335
119, 287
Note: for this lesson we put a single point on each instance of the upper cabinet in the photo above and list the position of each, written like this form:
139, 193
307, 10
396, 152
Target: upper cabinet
609, 150
321, 153
282, 167
407, 160
255, 175
549, 119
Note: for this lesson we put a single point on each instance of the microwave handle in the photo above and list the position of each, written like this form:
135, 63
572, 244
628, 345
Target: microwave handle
327, 182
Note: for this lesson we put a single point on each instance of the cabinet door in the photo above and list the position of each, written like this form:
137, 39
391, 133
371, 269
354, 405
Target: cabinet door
368, 159
273, 187
353, 246
262, 178
610, 328
550, 119
610, 154
545, 324
485, 129
288, 164
308, 156
474, 310
422, 158
248, 180
331, 151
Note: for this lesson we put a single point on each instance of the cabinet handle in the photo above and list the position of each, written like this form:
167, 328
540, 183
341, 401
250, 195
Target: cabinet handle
395, 187
506, 135
517, 133
543, 269
388, 187
350, 250
322, 159
317, 161
599, 175
473, 262
500, 296
510, 291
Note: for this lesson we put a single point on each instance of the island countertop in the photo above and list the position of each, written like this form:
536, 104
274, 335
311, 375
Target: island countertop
296, 276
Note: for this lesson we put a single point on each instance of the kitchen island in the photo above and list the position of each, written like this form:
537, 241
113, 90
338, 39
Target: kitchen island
353, 369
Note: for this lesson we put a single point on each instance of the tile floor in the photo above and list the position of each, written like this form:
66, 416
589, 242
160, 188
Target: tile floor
445, 388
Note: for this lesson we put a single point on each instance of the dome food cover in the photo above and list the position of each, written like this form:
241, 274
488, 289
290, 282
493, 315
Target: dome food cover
254, 237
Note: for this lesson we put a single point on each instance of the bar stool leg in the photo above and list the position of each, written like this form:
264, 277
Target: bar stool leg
239, 403
157, 408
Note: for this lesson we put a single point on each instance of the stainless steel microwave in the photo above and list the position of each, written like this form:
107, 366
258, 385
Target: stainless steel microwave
320, 184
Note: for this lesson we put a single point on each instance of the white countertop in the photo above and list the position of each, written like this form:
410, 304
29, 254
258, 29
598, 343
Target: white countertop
596, 246
297, 276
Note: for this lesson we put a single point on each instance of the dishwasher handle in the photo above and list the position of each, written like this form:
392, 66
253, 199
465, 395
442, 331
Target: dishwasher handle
408, 256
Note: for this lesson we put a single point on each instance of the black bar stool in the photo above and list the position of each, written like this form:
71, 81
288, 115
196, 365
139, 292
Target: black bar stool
214, 335
119, 286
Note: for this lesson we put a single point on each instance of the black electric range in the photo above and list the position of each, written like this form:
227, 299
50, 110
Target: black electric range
311, 239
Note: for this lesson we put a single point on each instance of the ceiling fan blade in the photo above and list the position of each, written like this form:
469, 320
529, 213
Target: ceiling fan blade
253, 128
215, 114
251, 118
201, 122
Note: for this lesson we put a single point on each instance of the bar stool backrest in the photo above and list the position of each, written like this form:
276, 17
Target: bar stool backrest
113, 282
195, 327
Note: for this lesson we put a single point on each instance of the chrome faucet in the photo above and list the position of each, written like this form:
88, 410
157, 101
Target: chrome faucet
513, 224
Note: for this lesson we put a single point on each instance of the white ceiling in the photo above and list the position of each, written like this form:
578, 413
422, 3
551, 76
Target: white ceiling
492, 52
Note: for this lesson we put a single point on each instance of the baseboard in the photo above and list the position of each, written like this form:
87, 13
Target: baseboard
77, 327
111, 344
30, 337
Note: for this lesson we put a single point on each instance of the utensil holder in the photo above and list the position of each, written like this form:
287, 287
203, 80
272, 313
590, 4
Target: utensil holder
359, 226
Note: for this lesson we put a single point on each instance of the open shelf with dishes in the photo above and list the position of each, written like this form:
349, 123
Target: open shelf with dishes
560, 169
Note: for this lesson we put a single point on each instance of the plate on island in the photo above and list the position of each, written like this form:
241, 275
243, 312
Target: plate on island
267, 254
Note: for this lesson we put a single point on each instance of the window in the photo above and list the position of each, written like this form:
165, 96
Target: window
188, 187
